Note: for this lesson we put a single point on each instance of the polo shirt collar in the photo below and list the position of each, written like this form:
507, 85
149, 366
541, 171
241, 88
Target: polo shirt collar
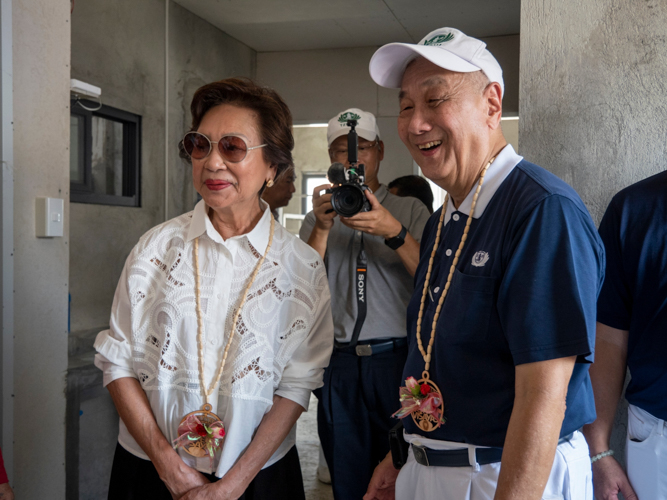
501, 167
258, 236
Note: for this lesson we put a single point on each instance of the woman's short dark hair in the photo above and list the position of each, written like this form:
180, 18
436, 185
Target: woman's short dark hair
273, 115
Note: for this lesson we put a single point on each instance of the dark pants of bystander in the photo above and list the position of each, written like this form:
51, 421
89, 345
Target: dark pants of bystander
354, 416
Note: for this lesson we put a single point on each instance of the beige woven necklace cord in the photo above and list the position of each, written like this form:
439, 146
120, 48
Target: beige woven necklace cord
205, 415
200, 327
424, 421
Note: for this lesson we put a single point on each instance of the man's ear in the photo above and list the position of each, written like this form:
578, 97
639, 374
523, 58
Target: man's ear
380, 150
494, 102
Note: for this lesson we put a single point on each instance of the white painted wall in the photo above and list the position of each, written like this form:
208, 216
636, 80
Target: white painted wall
41, 141
318, 84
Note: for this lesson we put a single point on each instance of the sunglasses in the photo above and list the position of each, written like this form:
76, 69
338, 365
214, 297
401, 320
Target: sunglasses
231, 147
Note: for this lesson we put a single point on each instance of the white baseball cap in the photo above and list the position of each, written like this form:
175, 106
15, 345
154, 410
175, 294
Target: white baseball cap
366, 125
445, 47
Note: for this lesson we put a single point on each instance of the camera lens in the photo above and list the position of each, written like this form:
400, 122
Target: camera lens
348, 200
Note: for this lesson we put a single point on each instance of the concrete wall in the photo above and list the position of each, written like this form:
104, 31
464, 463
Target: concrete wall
199, 53
506, 51
120, 47
317, 84
41, 139
593, 92
593, 96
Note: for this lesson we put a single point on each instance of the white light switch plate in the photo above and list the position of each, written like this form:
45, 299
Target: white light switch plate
49, 217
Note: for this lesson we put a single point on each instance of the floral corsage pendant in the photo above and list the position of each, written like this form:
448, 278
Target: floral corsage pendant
200, 433
423, 401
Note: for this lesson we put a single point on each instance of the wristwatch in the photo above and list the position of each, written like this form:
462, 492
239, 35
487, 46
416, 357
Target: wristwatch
396, 242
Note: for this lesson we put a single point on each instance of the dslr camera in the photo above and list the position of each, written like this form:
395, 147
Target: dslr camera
348, 196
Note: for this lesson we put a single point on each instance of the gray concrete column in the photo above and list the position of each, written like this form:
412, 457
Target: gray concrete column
593, 92
593, 97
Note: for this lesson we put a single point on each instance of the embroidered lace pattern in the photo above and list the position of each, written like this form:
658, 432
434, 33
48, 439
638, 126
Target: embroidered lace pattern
278, 314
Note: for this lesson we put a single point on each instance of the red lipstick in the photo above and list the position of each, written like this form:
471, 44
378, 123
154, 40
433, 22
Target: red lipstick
217, 185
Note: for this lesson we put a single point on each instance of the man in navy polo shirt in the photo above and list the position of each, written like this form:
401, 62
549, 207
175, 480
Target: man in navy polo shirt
501, 326
632, 332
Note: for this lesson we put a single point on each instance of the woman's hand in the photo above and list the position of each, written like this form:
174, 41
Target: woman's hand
210, 491
181, 479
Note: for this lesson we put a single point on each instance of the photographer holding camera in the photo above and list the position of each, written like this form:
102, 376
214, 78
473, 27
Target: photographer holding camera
370, 259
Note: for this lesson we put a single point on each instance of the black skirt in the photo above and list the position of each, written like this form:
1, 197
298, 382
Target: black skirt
133, 478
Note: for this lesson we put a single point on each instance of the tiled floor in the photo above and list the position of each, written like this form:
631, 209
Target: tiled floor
308, 445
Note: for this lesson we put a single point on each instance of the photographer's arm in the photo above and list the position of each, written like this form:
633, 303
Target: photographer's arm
409, 253
380, 222
318, 240
324, 216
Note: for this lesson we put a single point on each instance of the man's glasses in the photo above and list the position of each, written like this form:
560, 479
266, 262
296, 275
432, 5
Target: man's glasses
341, 153
231, 147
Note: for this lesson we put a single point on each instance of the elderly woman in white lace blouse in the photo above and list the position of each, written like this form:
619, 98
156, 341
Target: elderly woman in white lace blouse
221, 323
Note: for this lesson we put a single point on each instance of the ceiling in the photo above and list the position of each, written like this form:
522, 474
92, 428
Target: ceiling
278, 25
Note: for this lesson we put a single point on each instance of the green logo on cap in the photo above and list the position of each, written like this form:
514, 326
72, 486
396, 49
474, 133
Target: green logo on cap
439, 39
348, 116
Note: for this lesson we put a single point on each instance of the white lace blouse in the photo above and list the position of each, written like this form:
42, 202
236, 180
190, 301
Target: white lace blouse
282, 344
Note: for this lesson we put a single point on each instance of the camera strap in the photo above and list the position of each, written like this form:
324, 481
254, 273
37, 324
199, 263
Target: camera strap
360, 286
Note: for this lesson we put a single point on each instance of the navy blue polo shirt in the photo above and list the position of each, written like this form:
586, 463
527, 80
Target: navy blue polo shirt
524, 290
634, 294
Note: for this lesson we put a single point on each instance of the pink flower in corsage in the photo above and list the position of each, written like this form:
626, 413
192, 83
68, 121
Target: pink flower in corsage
419, 397
217, 432
201, 430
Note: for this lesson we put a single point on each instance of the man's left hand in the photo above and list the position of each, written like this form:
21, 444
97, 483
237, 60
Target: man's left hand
383, 482
378, 221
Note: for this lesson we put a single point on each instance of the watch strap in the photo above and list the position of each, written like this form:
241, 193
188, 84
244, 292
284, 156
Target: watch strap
396, 242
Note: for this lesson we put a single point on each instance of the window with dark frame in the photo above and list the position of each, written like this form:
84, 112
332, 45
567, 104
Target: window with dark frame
105, 152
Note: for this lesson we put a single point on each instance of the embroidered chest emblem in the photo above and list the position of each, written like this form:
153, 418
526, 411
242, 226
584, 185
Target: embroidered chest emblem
480, 258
